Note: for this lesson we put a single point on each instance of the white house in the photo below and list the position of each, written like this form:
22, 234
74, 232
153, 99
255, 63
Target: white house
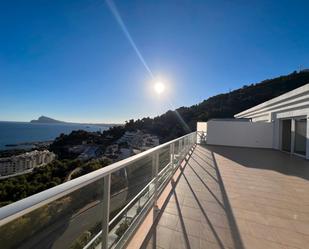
280, 123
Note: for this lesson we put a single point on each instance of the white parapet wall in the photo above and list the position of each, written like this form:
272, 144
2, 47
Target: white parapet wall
240, 133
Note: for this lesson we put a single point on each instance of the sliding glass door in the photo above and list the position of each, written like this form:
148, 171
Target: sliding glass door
300, 136
286, 135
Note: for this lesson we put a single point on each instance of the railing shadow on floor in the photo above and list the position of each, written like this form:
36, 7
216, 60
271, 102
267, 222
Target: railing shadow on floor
203, 159
152, 234
225, 205
205, 185
264, 159
205, 169
205, 155
231, 219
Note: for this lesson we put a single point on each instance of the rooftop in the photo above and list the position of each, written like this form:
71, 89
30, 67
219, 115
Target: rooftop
229, 197
176, 195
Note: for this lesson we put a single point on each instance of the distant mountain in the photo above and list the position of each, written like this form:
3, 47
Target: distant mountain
47, 120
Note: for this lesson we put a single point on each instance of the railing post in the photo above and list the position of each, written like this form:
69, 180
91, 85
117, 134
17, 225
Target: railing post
183, 146
187, 145
155, 166
106, 205
198, 139
155, 170
172, 151
180, 150
194, 138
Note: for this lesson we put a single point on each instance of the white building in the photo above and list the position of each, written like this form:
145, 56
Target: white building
10, 166
138, 139
125, 153
111, 150
280, 123
149, 141
128, 136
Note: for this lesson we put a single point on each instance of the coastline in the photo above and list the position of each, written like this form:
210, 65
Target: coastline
33, 144
26, 135
64, 123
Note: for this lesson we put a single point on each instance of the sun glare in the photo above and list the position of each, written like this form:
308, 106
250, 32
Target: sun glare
159, 87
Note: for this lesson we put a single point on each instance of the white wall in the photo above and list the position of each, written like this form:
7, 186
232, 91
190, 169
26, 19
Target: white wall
239, 133
289, 105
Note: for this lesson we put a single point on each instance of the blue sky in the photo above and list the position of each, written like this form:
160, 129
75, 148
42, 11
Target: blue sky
70, 60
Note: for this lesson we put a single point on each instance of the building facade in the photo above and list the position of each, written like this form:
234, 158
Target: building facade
280, 123
10, 166
289, 114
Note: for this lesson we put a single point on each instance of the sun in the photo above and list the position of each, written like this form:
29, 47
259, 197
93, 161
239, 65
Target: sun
159, 87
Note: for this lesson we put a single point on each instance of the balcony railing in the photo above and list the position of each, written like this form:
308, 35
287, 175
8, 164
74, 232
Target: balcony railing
101, 209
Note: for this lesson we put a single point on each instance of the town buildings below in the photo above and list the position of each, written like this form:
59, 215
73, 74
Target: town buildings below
131, 143
24, 163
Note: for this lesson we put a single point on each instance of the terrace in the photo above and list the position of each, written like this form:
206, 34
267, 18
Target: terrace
229, 197
178, 195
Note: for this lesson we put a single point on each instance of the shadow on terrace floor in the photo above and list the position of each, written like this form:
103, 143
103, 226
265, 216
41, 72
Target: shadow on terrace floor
267, 159
197, 212
268, 193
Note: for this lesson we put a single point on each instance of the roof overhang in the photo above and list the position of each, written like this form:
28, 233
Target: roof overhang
297, 96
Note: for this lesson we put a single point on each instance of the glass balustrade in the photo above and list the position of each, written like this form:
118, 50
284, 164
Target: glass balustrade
71, 215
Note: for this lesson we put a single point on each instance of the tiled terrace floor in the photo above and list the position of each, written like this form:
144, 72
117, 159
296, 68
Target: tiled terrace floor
236, 198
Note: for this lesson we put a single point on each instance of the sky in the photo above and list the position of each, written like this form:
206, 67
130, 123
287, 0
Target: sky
97, 61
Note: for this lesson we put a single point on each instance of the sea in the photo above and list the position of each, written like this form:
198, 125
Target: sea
24, 132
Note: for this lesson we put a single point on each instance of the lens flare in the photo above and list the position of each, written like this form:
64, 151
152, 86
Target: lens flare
126, 32
159, 87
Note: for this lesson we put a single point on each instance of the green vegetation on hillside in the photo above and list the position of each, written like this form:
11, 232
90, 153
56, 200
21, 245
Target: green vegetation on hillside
16, 188
63, 143
169, 126
19, 187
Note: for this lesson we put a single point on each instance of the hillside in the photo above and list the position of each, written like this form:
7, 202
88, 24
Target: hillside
169, 125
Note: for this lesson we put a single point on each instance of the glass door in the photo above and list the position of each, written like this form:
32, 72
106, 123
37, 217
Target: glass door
286, 135
300, 136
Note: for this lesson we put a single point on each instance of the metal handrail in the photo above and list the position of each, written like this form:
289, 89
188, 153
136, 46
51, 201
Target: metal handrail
130, 203
24, 206
135, 199
124, 209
